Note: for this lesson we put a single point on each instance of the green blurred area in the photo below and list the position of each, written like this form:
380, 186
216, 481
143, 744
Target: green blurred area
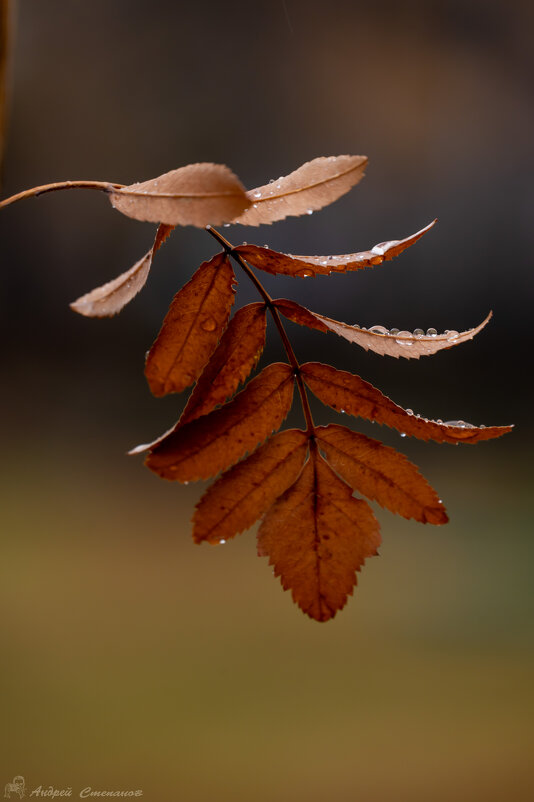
135, 659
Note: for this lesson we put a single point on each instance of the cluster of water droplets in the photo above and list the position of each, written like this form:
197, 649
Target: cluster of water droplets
406, 338
459, 424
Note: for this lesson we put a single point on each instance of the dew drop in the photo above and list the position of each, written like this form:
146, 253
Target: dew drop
254, 205
174, 468
271, 180
379, 330
409, 411
431, 332
208, 324
257, 194
222, 542
342, 411
439, 420
403, 434
393, 331
452, 335
309, 211
440, 501
406, 334
265, 246
482, 426
418, 332
226, 225
305, 273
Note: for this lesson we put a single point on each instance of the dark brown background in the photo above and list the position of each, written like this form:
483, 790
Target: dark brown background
134, 658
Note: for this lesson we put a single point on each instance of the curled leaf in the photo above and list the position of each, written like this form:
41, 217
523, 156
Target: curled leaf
231, 362
247, 490
313, 185
197, 195
192, 328
349, 393
110, 298
380, 473
379, 339
212, 443
317, 535
308, 266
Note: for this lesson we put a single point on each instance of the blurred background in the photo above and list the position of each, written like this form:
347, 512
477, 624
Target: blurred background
136, 659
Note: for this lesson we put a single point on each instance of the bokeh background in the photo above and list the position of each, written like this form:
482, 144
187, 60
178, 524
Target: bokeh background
135, 659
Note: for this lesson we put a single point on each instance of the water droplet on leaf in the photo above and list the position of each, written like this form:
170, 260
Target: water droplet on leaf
209, 324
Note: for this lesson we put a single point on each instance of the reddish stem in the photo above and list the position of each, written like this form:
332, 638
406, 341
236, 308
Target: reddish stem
229, 248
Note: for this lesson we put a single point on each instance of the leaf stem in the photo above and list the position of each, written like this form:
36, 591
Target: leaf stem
104, 186
229, 248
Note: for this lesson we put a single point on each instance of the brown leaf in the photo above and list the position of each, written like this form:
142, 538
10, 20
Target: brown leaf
308, 266
349, 393
110, 298
212, 443
381, 474
378, 339
317, 536
314, 185
232, 361
192, 327
247, 490
196, 195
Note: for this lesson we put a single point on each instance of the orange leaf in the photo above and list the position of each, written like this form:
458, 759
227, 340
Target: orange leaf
247, 490
381, 474
107, 300
192, 327
212, 443
317, 536
235, 356
197, 194
378, 339
349, 393
308, 266
310, 187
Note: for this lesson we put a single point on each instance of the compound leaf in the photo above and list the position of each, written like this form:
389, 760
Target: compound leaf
378, 339
349, 393
207, 445
231, 363
110, 298
317, 535
197, 195
380, 473
192, 327
247, 490
313, 185
307, 266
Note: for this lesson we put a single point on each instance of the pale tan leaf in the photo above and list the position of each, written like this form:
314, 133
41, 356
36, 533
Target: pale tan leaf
381, 474
313, 185
212, 443
308, 266
349, 393
110, 298
192, 328
317, 536
247, 490
197, 195
378, 339
231, 363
